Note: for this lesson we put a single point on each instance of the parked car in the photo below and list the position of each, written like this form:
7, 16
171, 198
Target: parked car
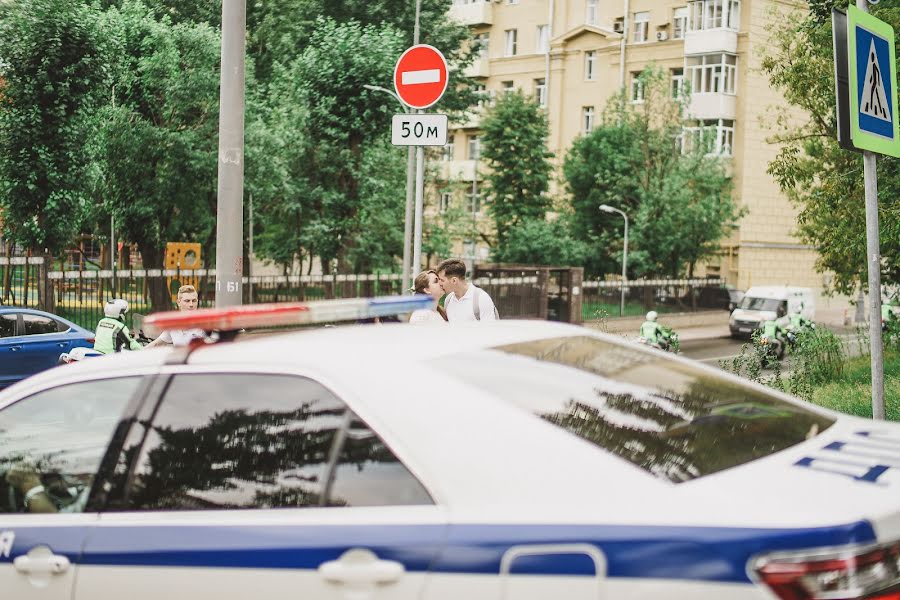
32, 340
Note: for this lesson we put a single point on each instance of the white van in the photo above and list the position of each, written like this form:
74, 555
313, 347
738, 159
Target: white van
761, 304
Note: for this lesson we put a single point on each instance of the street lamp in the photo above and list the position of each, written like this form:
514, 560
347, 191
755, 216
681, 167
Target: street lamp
406, 278
610, 209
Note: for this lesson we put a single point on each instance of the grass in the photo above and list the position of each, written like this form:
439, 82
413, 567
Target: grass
851, 392
591, 311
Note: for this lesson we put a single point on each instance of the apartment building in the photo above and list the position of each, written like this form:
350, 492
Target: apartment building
570, 54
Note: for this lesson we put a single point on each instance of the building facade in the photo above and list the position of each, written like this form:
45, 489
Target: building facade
570, 54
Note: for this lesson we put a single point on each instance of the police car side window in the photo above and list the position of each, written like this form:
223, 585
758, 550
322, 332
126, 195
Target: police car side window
238, 441
52, 442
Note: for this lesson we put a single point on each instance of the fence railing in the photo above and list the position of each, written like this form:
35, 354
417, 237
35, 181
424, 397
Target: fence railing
602, 299
79, 295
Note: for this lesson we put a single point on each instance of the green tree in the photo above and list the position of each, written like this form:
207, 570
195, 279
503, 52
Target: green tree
53, 58
543, 242
514, 147
159, 132
823, 181
679, 201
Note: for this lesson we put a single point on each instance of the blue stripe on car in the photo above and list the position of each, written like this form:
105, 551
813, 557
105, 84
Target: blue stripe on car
695, 553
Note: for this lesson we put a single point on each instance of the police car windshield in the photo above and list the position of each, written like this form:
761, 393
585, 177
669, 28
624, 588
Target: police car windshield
770, 304
671, 419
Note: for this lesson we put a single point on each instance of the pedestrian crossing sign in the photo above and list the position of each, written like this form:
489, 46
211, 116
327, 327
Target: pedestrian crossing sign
872, 71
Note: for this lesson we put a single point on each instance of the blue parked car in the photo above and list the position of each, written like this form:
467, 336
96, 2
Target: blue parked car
32, 340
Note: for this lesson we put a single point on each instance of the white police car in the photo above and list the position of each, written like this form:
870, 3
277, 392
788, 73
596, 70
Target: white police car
507, 460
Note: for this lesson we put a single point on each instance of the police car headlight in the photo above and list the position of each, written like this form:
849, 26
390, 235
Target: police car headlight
870, 572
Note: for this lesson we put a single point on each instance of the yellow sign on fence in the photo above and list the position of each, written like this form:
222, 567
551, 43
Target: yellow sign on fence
183, 256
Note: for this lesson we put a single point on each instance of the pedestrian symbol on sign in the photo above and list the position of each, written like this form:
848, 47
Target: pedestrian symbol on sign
874, 97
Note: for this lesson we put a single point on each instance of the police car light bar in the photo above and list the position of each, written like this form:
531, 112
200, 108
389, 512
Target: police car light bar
285, 314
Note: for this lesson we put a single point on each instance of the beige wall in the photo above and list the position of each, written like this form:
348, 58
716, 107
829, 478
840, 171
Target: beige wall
763, 250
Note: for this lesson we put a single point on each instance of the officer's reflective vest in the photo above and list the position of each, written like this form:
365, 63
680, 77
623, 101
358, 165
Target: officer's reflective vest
112, 335
770, 329
649, 330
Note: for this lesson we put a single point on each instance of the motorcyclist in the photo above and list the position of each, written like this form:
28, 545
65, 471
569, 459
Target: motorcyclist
112, 334
653, 333
774, 335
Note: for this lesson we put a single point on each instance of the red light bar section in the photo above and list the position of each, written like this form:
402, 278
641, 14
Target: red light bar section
225, 319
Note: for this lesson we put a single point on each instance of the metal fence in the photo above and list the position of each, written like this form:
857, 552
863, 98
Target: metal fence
602, 299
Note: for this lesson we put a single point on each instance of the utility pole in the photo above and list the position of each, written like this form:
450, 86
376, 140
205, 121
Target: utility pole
873, 252
230, 196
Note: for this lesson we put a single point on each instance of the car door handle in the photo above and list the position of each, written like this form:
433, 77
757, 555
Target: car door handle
62, 344
360, 566
52, 564
15, 348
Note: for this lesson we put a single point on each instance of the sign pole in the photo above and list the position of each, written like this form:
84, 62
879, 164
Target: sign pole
407, 279
420, 207
873, 253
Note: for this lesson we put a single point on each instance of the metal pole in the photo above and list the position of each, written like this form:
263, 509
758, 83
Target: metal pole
624, 267
408, 274
406, 279
626, 8
112, 251
250, 264
420, 206
230, 210
873, 252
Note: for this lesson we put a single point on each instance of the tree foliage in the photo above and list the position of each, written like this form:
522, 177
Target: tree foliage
53, 65
679, 203
514, 147
822, 180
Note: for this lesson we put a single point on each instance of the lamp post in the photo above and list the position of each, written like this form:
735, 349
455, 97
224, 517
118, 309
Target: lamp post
610, 209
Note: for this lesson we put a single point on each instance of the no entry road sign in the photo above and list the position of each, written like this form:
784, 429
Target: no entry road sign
420, 76
872, 71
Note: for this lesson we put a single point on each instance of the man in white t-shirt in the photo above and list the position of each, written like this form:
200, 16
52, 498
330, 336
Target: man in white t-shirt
464, 301
187, 299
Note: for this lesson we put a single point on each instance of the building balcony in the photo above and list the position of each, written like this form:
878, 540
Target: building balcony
480, 67
457, 170
473, 13
713, 106
708, 41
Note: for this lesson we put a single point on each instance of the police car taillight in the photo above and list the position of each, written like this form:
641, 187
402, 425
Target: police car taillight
286, 314
869, 573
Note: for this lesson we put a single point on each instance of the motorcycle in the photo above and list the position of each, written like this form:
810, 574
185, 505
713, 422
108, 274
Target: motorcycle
773, 347
793, 334
77, 355
667, 340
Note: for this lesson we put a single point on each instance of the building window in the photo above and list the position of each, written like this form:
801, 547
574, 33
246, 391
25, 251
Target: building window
641, 27
483, 40
474, 147
590, 16
507, 86
512, 36
543, 39
540, 91
712, 73
445, 201
590, 65
679, 22
714, 14
677, 82
484, 97
637, 88
587, 119
712, 136
448, 151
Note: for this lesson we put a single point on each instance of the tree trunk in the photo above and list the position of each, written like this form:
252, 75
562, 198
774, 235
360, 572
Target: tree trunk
160, 299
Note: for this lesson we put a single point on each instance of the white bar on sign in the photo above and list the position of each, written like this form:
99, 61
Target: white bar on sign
425, 76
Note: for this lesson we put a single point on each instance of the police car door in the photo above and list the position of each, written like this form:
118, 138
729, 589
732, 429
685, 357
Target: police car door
52, 443
251, 485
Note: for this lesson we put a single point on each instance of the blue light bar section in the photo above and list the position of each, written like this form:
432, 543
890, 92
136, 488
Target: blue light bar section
385, 306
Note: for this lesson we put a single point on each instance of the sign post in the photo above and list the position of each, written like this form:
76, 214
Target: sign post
420, 79
866, 93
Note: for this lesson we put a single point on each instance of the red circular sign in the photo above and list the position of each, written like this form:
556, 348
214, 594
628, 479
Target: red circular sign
420, 76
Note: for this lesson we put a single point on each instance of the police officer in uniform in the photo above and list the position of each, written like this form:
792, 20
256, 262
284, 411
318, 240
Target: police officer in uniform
112, 334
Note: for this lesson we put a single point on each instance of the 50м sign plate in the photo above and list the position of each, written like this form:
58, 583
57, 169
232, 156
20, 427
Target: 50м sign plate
419, 130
